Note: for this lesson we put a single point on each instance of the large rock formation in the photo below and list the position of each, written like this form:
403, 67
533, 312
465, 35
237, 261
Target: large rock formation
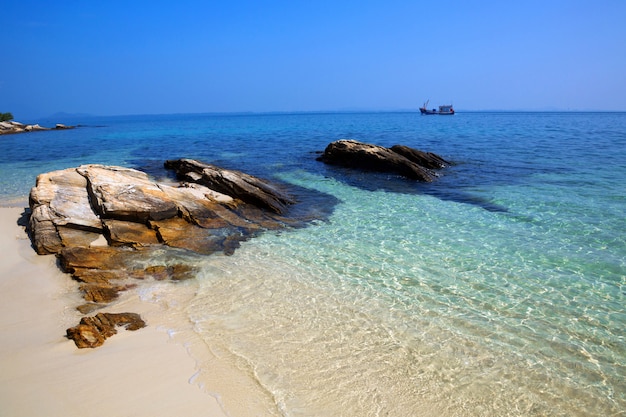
402, 160
80, 207
109, 225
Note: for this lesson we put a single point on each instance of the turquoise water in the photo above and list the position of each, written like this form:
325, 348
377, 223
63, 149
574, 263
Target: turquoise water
498, 290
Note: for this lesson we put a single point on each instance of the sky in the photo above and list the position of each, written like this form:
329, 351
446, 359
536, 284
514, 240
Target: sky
156, 57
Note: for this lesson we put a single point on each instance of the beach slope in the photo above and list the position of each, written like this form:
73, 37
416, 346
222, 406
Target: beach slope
135, 374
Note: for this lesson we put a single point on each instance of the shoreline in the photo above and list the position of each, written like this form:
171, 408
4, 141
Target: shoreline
140, 373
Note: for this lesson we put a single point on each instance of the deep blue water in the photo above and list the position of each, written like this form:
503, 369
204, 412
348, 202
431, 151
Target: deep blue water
497, 290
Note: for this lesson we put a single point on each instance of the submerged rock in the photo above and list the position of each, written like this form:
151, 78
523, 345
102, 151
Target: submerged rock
402, 160
108, 225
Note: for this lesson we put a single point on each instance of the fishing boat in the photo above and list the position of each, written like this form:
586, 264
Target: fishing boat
443, 110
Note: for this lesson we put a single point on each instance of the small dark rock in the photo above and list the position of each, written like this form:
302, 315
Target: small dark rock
91, 332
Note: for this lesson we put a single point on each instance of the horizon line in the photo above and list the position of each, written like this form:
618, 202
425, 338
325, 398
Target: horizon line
347, 111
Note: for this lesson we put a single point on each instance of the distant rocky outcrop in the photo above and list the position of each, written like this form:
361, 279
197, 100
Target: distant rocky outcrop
401, 160
17, 127
109, 226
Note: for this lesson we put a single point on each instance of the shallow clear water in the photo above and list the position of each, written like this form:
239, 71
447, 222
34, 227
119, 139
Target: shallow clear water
498, 290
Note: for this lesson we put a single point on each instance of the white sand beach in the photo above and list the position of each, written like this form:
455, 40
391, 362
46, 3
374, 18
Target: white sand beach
141, 373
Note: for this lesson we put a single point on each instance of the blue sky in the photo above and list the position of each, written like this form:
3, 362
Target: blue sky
143, 57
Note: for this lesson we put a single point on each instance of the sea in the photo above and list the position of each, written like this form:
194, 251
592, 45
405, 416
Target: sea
497, 290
